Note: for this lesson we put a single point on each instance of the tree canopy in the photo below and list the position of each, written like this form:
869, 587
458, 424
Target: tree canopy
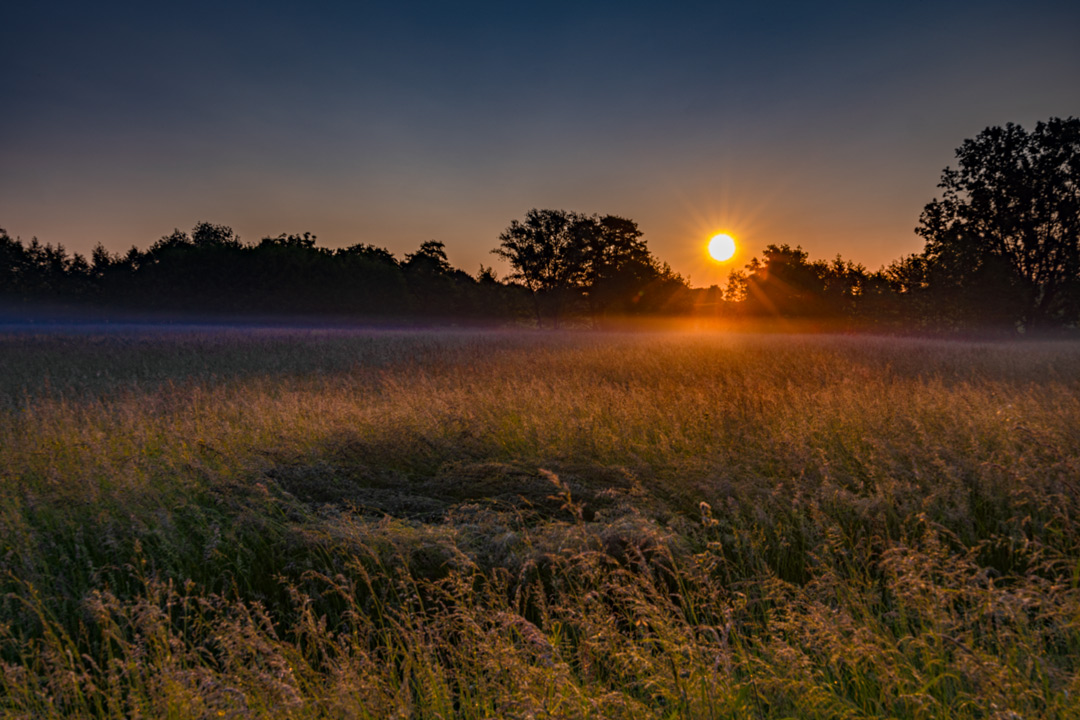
565, 258
210, 272
1004, 238
786, 283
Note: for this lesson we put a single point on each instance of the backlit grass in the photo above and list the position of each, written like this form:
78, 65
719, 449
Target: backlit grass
257, 523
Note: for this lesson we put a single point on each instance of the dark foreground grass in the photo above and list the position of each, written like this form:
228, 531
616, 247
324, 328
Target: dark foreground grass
340, 524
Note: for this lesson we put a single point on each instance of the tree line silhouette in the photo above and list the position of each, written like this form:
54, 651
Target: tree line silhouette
211, 272
1002, 250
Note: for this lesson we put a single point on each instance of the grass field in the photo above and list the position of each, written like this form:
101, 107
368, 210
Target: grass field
340, 524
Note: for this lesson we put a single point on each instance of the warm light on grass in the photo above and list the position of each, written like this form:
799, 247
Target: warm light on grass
472, 525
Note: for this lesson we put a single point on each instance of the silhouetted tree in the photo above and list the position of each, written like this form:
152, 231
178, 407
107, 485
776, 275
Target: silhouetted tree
209, 236
368, 252
1003, 242
545, 252
843, 286
42, 272
566, 258
299, 242
369, 280
430, 259
601, 262
666, 292
13, 265
785, 283
176, 240
204, 271
735, 289
287, 274
431, 280
617, 264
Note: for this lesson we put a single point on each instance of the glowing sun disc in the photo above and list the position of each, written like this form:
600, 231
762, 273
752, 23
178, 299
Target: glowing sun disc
722, 247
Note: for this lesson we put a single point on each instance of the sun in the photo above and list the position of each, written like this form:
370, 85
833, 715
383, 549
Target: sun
722, 247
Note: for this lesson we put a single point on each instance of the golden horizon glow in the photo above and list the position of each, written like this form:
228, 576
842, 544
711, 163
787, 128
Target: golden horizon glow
722, 247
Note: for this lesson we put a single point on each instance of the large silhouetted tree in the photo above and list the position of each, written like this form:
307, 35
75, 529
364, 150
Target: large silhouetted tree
786, 283
599, 262
617, 263
1004, 239
545, 251
430, 278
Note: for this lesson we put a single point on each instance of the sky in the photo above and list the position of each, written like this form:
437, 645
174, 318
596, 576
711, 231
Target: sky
825, 125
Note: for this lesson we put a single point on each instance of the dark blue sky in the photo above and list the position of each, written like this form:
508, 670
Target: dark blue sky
826, 126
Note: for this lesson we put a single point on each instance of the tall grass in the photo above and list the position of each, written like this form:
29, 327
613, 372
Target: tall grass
467, 524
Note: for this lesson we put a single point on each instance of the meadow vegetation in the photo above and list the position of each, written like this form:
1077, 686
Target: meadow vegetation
348, 524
